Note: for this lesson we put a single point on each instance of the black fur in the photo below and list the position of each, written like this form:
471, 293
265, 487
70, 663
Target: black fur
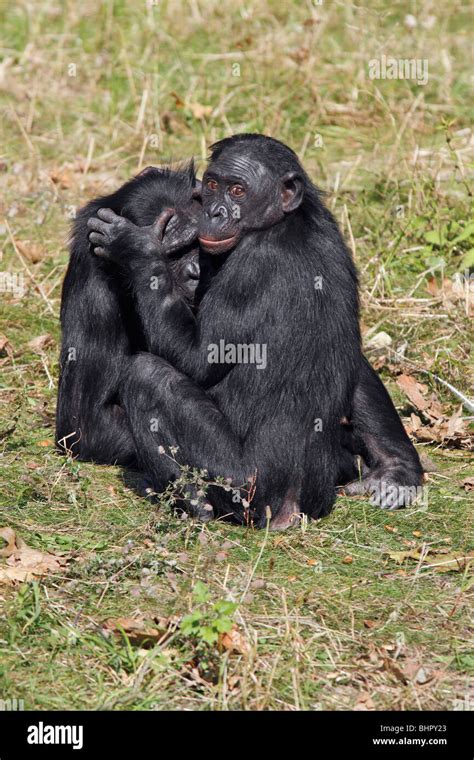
99, 321
142, 380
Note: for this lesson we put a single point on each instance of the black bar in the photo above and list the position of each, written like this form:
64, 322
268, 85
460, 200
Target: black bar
134, 735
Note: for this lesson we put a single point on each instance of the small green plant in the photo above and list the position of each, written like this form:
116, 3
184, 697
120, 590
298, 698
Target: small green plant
209, 620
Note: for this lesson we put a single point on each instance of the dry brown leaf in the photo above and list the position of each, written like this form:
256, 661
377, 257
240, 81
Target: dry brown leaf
412, 390
439, 560
392, 667
31, 251
5, 346
141, 631
455, 423
179, 103
451, 431
8, 535
199, 111
348, 560
468, 484
233, 641
62, 178
447, 563
401, 556
24, 563
364, 702
40, 342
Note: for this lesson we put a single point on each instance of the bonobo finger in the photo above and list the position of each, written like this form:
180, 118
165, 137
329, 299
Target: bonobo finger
96, 238
161, 222
96, 224
355, 488
108, 215
102, 253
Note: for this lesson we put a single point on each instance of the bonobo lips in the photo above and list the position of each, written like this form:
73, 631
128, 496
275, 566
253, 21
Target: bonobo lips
218, 246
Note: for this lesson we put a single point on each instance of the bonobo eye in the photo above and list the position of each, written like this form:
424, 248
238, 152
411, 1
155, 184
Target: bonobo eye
211, 184
237, 191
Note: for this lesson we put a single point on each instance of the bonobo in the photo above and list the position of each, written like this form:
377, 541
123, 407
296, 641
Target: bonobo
99, 319
89, 400
284, 280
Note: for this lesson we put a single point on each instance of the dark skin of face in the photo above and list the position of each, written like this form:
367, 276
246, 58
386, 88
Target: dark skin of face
240, 195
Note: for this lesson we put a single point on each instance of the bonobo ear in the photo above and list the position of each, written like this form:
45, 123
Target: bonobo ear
147, 170
291, 191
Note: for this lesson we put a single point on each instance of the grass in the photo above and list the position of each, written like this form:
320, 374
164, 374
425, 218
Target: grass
92, 92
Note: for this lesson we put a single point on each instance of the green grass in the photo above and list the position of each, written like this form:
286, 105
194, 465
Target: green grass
322, 632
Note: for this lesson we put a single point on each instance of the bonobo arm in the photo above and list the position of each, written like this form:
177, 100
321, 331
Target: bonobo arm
170, 327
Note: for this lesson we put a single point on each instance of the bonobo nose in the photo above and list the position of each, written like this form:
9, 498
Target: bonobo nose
192, 270
217, 211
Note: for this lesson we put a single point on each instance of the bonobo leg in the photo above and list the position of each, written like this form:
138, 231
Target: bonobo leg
90, 423
165, 409
393, 470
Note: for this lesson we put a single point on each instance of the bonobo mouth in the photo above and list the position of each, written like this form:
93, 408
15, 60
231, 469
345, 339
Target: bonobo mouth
218, 246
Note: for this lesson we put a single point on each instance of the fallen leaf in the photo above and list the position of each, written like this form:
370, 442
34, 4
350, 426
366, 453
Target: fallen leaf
412, 390
24, 563
45, 443
364, 702
31, 251
5, 346
233, 641
348, 560
369, 623
199, 111
380, 340
391, 529
447, 563
8, 535
438, 560
141, 631
395, 670
467, 484
62, 178
39, 343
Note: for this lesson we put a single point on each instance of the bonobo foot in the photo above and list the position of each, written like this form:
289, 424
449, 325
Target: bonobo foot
195, 504
390, 486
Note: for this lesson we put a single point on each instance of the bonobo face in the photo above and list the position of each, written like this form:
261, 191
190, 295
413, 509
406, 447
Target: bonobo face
239, 195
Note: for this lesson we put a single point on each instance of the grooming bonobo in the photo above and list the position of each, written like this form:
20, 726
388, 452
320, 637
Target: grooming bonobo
278, 282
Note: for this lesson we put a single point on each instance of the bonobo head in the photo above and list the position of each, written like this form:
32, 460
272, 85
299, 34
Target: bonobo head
251, 183
154, 190
149, 194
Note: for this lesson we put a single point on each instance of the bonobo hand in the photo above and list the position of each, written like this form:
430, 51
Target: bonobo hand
116, 238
